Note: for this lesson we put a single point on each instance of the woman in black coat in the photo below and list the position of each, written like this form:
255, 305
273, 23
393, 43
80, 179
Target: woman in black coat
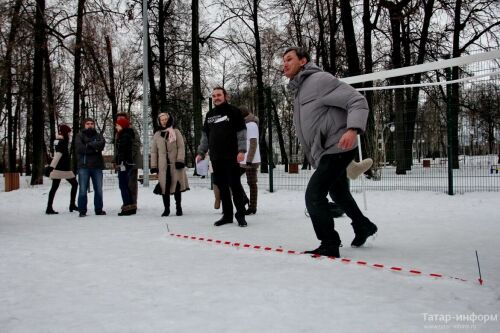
60, 169
125, 162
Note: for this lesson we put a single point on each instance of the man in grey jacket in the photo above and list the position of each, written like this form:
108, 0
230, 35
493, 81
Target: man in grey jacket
328, 115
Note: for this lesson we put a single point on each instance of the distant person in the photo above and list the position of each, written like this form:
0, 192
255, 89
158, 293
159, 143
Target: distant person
328, 115
136, 156
125, 138
168, 161
251, 162
224, 134
89, 145
60, 168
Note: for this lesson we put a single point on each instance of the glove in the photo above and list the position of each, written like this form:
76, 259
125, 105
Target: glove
179, 165
47, 171
249, 163
153, 170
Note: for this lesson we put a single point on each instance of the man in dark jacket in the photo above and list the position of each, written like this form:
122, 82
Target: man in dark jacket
224, 136
328, 115
88, 147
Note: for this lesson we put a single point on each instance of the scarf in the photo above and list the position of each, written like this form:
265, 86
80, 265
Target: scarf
171, 134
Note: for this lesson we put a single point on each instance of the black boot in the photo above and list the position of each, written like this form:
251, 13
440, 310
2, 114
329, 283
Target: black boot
178, 207
327, 248
362, 231
222, 221
241, 220
73, 207
166, 204
50, 211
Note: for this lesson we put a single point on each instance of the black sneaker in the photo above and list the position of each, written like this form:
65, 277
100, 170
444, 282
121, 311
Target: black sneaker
100, 212
223, 221
328, 250
362, 231
82, 214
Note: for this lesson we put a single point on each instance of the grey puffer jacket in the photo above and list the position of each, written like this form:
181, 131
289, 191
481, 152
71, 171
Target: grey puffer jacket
324, 109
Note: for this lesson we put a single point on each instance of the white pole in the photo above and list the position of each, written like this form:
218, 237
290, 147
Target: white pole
145, 94
362, 177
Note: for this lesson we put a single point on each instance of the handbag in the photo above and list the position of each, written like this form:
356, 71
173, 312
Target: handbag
157, 189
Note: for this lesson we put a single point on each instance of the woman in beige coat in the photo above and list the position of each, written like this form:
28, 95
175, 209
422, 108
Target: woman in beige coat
168, 161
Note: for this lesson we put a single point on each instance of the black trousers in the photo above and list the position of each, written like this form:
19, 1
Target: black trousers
55, 186
227, 178
330, 176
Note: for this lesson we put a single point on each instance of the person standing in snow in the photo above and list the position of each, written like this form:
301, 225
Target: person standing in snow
60, 169
125, 138
328, 115
89, 145
224, 134
136, 156
168, 161
251, 162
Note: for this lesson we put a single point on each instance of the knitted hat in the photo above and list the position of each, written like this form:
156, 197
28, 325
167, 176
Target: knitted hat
64, 129
123, 122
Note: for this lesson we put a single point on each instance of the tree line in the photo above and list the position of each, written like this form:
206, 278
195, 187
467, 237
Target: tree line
62, 61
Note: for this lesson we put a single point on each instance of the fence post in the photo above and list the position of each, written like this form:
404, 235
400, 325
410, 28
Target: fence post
270, 137
449, 110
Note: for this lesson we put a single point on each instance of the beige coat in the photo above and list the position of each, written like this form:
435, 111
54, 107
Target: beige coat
176, 153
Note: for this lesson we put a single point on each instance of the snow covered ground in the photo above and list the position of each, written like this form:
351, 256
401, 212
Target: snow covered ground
63, 273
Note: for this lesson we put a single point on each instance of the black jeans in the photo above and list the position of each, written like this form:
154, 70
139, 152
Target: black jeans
227, 176
330, 176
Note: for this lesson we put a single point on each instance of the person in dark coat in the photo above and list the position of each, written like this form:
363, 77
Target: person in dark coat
125, 163
224, 135
136, 155
60, 169
89, 145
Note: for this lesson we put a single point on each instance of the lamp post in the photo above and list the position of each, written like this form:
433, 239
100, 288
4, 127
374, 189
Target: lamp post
391, 128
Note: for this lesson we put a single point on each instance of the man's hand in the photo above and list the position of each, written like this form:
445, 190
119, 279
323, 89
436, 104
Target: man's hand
349, 138
240, 157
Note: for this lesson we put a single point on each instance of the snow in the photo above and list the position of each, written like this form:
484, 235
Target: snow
62, 273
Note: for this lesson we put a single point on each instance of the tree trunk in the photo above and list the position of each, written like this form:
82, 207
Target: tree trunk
7, 79
323, 53
153, 92
455, 88
77, 76
279, 130
37, 106
51, 108
195, 56
350, 38
162, 58
111, 74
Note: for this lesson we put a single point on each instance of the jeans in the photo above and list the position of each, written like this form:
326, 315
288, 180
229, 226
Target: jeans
84, 174
330, 176
123, 182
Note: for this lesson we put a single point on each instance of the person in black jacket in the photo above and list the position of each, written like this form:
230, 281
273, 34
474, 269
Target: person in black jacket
125, 163
60, 169
88, 147
224, 135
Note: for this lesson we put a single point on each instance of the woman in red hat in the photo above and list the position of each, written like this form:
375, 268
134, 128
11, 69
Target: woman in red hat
125, 137
60, 168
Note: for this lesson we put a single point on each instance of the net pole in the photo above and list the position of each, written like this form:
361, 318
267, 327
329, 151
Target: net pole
362, 178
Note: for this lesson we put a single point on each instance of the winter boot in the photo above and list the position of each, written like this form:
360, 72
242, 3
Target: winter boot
178, 207
50, 211
354, 169
241, 220
362, 231
222, 221
72, 207
166, 204
328, 248
217, 197
100, 212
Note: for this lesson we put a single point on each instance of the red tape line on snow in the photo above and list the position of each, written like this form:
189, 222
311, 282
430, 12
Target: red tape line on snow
343, 260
